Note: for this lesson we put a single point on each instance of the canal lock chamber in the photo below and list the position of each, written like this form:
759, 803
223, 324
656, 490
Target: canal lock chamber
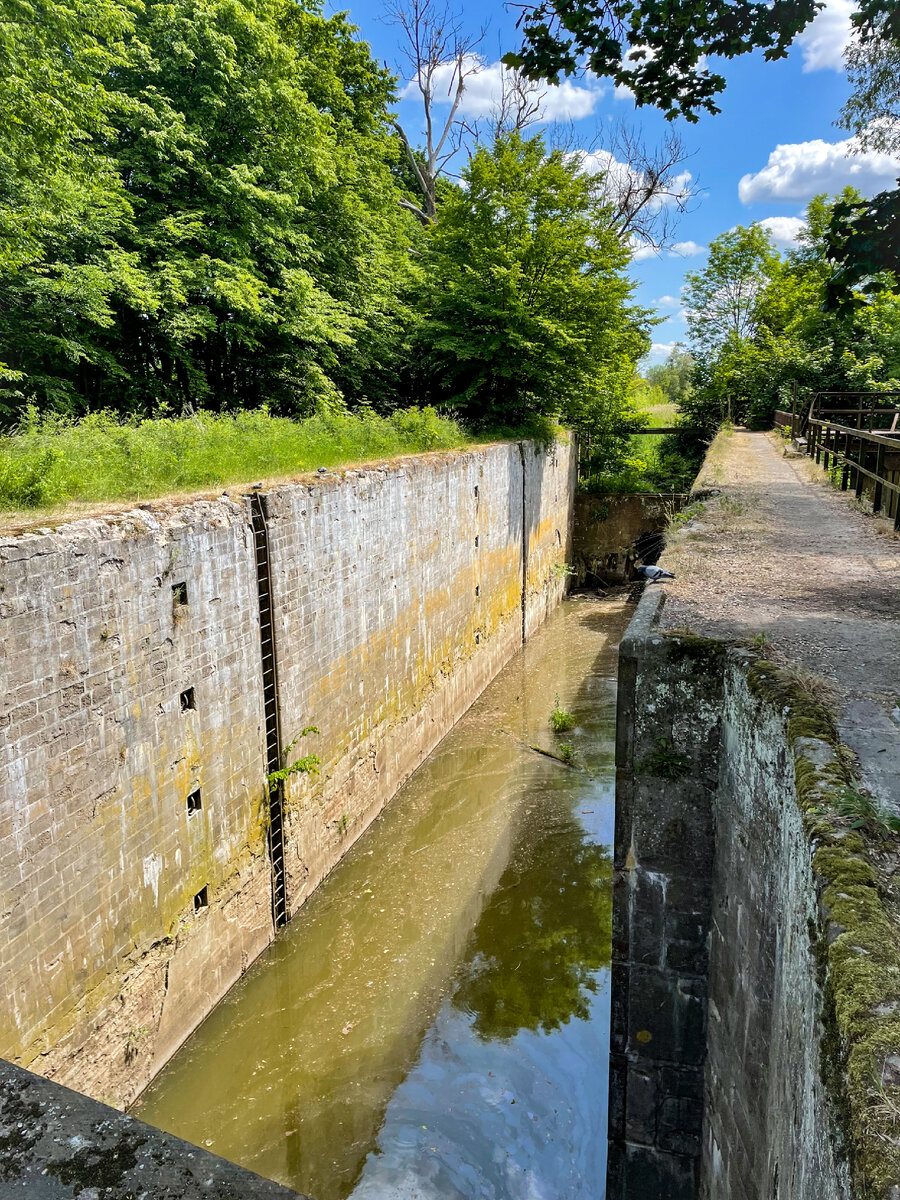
434, 1021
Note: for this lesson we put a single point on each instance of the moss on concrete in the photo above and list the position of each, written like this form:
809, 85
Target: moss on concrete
857, 943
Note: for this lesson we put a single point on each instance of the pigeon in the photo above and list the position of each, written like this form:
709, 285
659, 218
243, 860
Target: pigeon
653, 574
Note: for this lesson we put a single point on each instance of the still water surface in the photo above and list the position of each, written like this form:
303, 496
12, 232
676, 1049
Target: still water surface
434, 1023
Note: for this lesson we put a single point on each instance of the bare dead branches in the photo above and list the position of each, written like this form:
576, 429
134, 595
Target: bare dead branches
439, 57
646, 187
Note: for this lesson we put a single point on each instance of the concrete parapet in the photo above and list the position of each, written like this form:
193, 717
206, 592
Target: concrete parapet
56, 1144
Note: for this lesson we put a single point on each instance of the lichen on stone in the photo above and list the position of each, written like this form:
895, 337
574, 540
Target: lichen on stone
857, 943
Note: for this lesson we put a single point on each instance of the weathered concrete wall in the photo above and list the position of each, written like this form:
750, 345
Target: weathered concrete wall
406, 592
398, 595
610, 531
770, 1126
720, 939
667, 765
105, 963
56, 1144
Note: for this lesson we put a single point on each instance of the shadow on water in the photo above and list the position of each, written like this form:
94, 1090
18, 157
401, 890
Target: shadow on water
434, 1022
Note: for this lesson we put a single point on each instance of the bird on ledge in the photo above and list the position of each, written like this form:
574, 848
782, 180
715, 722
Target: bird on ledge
653, 574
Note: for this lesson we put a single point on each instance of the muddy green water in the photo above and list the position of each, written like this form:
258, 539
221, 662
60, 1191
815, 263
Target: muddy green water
434, 1022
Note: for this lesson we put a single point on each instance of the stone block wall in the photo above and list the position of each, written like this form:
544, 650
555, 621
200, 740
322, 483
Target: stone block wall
668, 723
130, 678
611, 531
719, 1049
770, 1128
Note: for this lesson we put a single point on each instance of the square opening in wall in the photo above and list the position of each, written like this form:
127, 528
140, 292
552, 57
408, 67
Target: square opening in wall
194, 802
179, 595
187, 700
201, 900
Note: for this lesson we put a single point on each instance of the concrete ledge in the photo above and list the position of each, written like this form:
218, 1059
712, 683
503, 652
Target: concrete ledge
56, 1144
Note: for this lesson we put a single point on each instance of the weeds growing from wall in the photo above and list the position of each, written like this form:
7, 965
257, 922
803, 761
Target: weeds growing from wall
308, 765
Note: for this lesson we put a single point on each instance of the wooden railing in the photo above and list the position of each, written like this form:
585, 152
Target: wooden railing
875, 411
867, 461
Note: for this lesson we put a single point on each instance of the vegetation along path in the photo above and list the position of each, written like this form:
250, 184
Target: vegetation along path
779, 558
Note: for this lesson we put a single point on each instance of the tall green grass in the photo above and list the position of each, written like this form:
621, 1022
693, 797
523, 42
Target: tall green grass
51, 460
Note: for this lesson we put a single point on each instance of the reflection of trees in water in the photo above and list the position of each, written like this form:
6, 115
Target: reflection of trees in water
542, 936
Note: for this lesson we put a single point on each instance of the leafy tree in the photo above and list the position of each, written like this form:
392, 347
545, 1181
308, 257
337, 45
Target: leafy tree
795, 339
724, 300
673, 377
63, 206
656, 48
247, 247
864, 240
524, 304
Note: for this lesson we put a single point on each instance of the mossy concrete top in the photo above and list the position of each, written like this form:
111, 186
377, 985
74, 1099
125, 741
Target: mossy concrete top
56, 1144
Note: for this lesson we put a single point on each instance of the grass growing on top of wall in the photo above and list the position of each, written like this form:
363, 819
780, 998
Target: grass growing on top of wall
51, 460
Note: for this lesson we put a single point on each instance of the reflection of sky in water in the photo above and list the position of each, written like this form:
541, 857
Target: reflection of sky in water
517, 1119
520, 1117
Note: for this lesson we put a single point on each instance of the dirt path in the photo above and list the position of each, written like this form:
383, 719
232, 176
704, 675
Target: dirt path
780, 554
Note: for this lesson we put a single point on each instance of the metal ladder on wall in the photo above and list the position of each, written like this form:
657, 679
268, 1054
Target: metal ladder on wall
270, 704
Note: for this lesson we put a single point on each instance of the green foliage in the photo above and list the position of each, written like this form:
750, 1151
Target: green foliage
673, 377
307, 765
524, 302
567, 753
100, 457
791, 337
219, 226
665, 762
724, 301
560, 720
656, 47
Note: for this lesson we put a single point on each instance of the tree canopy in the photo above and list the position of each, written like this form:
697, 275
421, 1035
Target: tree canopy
656, 48
524, 305
793, 338
207, 204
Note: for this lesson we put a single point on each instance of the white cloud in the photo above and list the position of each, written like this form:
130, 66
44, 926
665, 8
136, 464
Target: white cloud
784, 230
686, 250
824, 41
622, 179
640, 250
667, 302
484, 87
799, 170
659, 352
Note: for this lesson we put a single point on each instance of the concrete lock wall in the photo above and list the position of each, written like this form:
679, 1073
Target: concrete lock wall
135, 881
613, 531
718, 1054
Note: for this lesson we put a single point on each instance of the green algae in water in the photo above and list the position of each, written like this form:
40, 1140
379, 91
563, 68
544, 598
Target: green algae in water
434, 1022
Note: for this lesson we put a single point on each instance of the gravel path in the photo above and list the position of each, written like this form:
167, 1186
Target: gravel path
781, 554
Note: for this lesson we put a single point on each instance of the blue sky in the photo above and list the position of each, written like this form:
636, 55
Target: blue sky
773, 146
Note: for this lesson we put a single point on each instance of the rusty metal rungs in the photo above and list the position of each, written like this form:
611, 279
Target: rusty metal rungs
268, 663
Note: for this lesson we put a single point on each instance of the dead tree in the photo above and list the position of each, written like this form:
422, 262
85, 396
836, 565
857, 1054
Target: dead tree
439, 55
